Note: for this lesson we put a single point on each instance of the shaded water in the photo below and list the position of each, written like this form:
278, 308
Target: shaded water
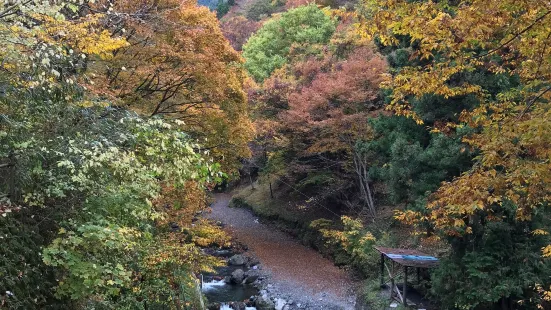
218, 291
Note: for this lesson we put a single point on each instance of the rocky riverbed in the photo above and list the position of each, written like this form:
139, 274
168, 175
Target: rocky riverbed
286, 274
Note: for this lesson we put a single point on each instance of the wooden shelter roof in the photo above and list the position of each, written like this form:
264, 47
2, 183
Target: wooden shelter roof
409, 258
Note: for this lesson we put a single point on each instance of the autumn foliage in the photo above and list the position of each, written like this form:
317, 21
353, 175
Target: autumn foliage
179, 65
113, 115
508, 186
237, 29
334, 99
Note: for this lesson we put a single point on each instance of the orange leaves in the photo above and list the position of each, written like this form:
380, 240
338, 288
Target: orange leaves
180, 205
178, 64
334, 99
408, 217
512, 173
172, 253
237, 29
513, 167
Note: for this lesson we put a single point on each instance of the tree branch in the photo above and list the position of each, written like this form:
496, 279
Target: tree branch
514, 37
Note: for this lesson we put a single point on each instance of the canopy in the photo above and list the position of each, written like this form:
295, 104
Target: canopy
409, 258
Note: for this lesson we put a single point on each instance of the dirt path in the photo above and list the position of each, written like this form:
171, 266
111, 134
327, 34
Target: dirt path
296, 271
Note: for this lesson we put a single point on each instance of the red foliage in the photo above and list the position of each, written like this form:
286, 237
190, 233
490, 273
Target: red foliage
291, 4
238, 29
332, 105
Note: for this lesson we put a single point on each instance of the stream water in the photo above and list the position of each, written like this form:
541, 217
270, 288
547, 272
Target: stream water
219, 291
216, 289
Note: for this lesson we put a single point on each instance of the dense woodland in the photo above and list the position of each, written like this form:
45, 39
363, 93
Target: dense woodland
419, 124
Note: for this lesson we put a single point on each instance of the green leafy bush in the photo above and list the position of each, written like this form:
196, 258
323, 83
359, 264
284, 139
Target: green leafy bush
269, 48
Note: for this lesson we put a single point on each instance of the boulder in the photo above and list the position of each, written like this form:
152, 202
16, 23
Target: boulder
280, 304
253, 261
264, 303
237, 276
214, 306
238, 305
237, 260
251, 301
251, 276
222, 253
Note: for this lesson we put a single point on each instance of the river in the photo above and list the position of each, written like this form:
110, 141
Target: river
296, 272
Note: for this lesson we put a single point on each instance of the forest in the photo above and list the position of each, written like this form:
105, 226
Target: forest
252, 154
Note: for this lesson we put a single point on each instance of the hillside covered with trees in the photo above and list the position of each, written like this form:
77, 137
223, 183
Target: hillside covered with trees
333, 126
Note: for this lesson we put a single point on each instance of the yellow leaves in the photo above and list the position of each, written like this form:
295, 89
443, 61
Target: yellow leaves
101, 44
206, 234
546, 251
83, 35
458, 223
546, 296
367, 238
15, 29
90, 103
354, 238
408, 217
540, 232
517, 36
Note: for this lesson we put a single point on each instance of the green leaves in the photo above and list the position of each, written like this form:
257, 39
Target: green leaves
269, 48
85, 206
118, 176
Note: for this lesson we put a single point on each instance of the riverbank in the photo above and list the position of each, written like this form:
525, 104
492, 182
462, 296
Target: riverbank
293, 271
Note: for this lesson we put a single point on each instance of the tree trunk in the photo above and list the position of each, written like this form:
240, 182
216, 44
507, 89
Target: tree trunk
360, 166
251, 179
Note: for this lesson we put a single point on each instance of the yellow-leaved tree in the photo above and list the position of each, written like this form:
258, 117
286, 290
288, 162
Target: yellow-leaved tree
177, 64
501, 202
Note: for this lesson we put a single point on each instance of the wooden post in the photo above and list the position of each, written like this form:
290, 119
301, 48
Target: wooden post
271, 192
405, 302
392, 281
382, 269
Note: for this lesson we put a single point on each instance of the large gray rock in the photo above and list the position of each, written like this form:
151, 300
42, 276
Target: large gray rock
252, 261
264, 303
238, 305
237, 276
214, 306
237, 260
251, 276
280, 304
